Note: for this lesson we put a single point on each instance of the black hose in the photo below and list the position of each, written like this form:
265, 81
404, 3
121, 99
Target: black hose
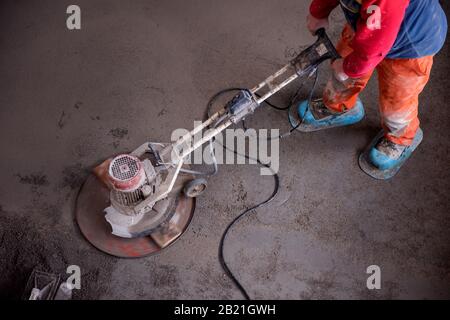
235, 220
244, 213
311, 93
275, 175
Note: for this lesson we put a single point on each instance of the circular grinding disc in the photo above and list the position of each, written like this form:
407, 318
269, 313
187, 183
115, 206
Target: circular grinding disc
93, 198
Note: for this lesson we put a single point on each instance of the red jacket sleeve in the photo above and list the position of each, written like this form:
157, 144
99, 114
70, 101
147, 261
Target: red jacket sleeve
370, 45
321, 9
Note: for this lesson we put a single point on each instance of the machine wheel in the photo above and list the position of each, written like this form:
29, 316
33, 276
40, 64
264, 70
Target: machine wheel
195, 187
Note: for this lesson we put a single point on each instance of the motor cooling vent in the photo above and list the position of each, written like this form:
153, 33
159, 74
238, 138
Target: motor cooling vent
124, 167
126, 172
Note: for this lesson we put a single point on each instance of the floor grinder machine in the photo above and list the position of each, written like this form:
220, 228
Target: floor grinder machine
137, 204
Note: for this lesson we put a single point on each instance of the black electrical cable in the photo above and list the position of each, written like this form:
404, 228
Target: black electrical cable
275, 176
288, 108
311, 93
235, 220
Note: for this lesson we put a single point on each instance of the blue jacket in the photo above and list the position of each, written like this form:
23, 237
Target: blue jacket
423, 30
422, 33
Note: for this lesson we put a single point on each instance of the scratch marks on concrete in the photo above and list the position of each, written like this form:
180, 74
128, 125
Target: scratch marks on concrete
33, 179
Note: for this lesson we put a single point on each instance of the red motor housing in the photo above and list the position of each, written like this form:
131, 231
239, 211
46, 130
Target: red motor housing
126, 173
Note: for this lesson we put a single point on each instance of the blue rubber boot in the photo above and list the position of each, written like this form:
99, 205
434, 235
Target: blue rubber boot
383, 158
317, 116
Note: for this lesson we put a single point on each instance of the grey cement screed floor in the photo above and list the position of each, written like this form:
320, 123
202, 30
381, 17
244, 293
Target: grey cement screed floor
139, 69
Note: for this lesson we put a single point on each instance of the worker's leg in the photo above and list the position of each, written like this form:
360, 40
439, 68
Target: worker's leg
339, 96
400, 83
340, 105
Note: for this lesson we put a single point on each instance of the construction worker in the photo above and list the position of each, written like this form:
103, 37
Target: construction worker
398, 39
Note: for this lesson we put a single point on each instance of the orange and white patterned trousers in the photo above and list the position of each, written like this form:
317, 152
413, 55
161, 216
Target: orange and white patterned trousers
400, 82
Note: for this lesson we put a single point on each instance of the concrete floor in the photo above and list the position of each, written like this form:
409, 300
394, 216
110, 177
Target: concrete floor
135, 72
